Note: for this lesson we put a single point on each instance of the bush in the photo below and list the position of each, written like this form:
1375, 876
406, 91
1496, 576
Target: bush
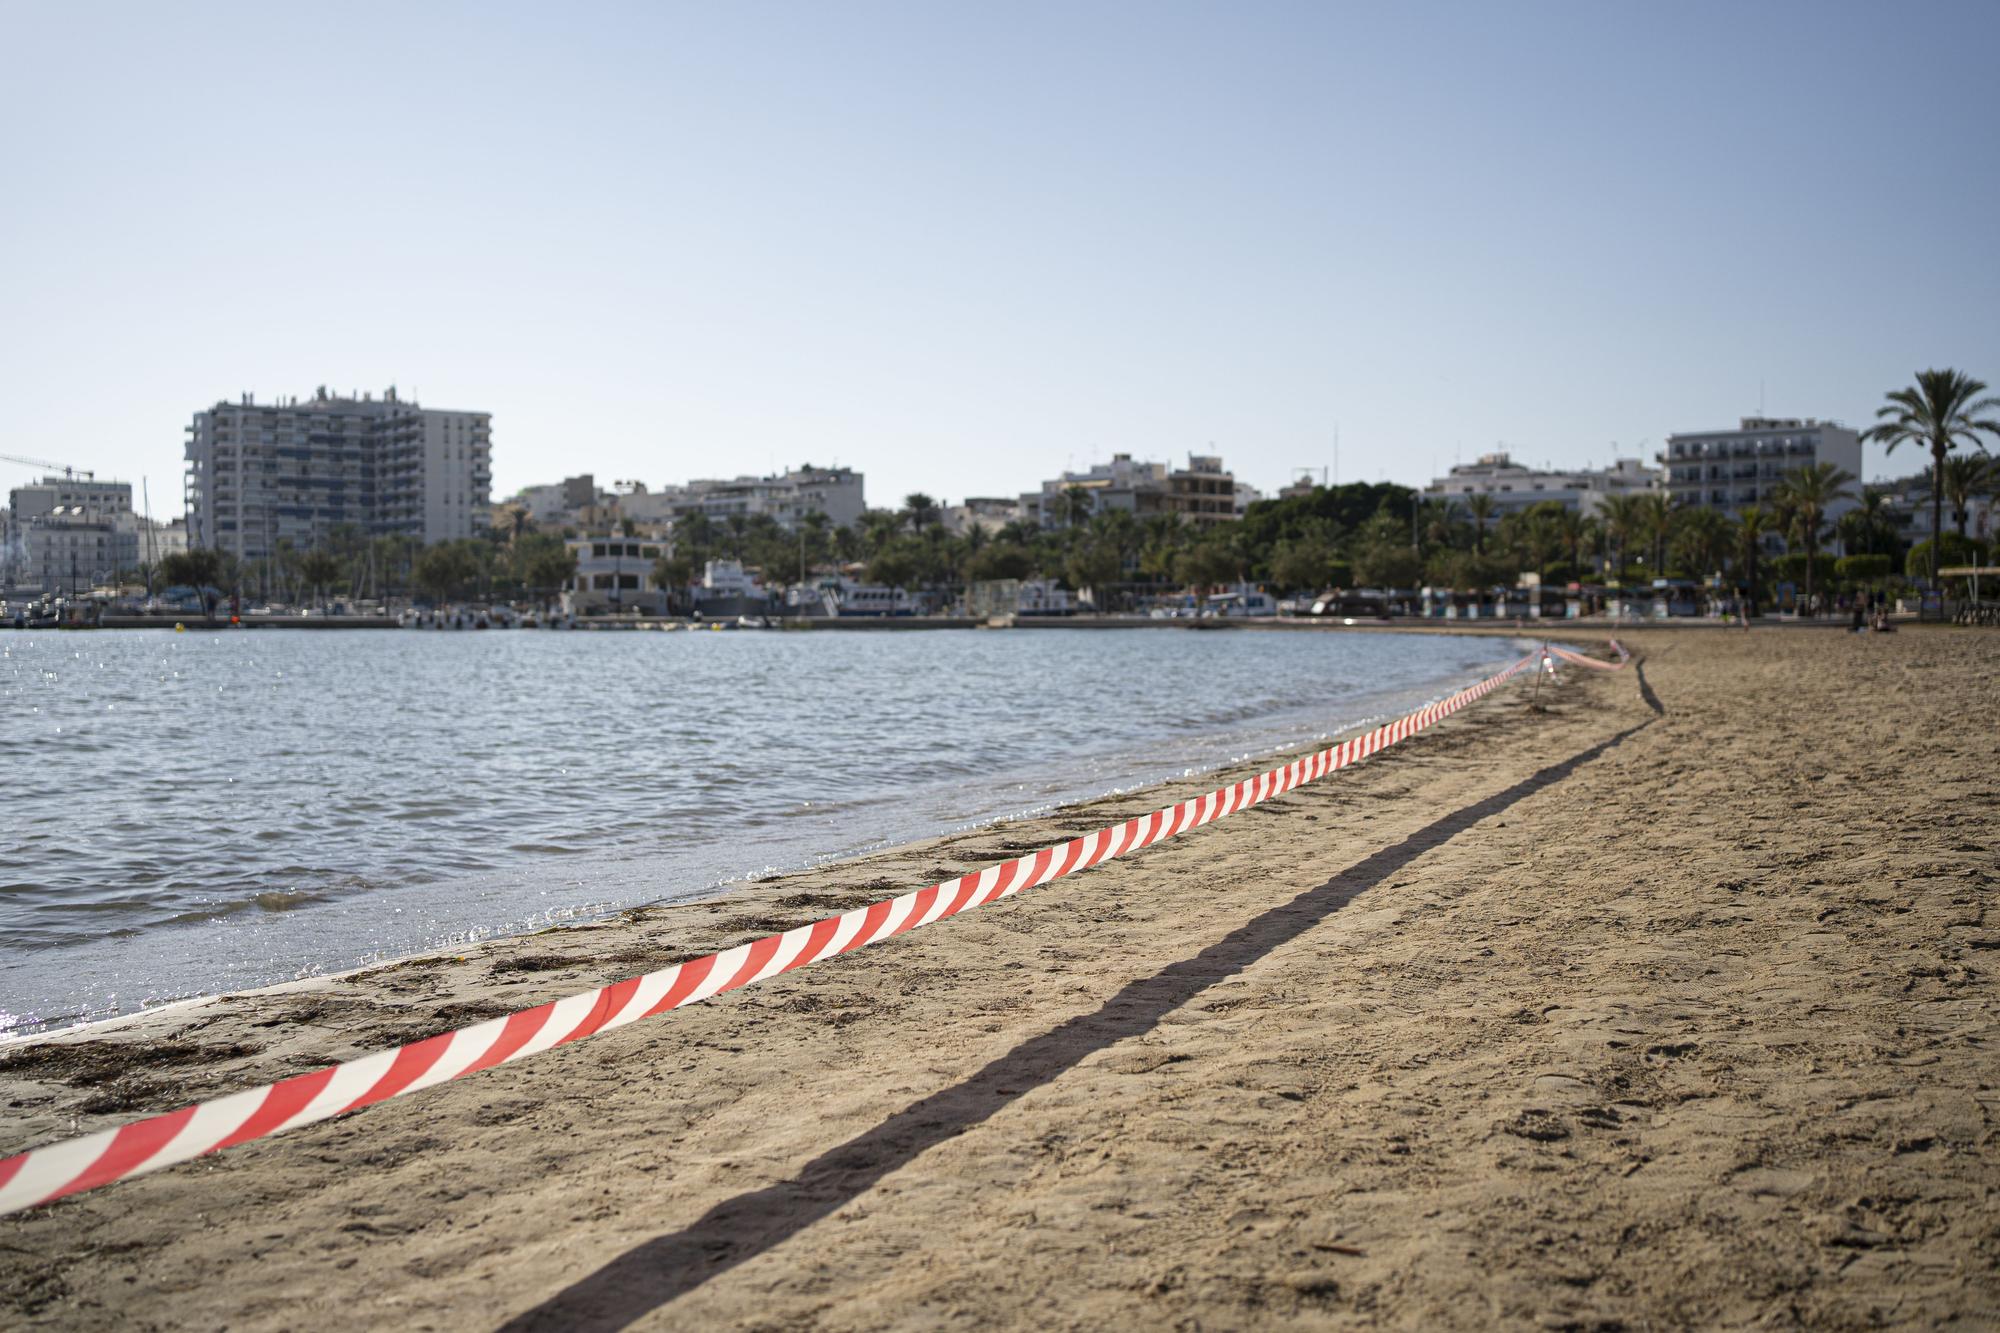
1952, 550
1863, 568
1791, 568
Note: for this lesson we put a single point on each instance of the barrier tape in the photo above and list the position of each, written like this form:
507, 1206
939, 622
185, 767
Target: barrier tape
1581, 660
42, 1175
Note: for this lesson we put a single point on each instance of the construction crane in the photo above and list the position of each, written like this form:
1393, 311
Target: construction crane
69, 473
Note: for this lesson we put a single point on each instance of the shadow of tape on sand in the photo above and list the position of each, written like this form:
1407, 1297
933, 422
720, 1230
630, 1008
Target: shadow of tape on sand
738, 1229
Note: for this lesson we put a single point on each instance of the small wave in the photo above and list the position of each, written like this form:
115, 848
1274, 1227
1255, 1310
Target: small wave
270, 900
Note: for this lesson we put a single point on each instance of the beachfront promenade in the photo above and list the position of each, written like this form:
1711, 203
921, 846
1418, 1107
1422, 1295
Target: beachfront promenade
1657, 998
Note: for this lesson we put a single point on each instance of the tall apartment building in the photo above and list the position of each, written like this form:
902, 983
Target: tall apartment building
1512, 486
1729, 469
258, 473
1202, 492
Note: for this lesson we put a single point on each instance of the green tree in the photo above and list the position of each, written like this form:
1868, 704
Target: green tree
674, 573
1480, 507
1206, 566
1575, 532
515, 522
1306, 562
1657, 516
920, 511
1753, 524
318, 569
1074, 506
200, 569
1863, 568
1703, 541
445, 570
1871, 527
1624, 523
1966, 478
1806, 494
1940, 411
1381, 553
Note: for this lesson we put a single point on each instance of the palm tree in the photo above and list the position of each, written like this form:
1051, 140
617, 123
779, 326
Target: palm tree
1480, 506
1752, 523
1966, 478
1074, 506
1870, 527
1623, 520
919, 511
1575, 531
1541, 535
1656, 521
515, 521
1940, 411
1703, 542
1807, 493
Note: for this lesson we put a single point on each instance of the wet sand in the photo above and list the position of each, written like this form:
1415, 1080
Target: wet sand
1667, 1003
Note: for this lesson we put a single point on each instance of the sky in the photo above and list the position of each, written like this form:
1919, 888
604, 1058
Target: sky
962, 247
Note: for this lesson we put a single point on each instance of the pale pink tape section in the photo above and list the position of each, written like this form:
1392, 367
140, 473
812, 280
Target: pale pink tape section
74, 1165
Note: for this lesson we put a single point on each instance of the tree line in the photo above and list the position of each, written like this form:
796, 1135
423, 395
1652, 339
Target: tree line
1360, 534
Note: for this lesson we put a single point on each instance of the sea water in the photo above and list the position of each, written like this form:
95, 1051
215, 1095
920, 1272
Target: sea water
205, 811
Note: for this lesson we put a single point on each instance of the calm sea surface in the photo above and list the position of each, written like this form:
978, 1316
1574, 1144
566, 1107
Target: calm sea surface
208, 811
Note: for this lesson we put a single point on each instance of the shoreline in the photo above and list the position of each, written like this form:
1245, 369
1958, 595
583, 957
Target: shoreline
1673, 971
1173, 763
453, 966
799, 624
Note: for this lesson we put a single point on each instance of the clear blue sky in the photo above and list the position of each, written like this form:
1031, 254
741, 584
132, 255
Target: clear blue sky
962, 246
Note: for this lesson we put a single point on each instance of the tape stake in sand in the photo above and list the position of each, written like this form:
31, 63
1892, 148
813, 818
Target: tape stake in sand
42, 1175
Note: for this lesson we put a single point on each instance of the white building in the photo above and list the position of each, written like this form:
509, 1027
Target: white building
1513, 486
1729, 469
1910, 498
293, 470
68, 534
833, 491
558, 502
69, 549
1202, 492
614, 573
987, 512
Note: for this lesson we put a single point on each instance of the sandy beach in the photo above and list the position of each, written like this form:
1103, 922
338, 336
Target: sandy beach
1665, 1000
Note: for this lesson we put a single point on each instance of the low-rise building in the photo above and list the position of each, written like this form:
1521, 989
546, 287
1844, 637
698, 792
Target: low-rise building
68, 534
1731, 469
72, 550
614, 573
1514, 486
787, 497
1202, 492
986, 512
1910, 498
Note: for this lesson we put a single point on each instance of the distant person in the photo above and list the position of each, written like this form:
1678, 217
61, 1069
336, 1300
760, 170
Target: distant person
1860, 624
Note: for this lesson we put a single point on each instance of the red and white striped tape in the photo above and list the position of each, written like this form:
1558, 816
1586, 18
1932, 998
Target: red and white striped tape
69, 1167
1581, 660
